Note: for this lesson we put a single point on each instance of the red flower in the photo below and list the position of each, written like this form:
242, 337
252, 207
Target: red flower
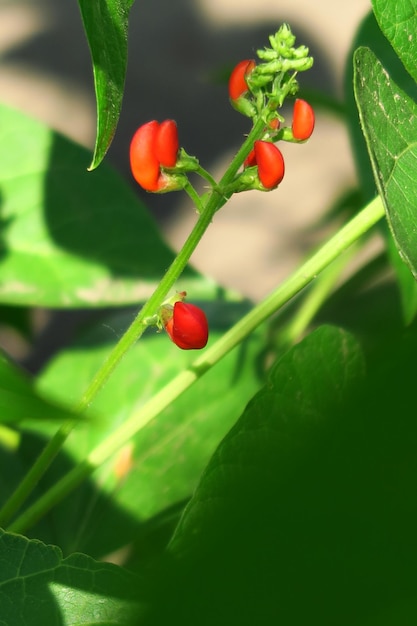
154, 146
303, 120
188, 327
237, 81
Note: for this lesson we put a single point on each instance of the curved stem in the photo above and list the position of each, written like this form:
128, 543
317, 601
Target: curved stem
347, 235
207, 176
195, 198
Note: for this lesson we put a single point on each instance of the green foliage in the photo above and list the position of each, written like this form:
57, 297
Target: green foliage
304, 508
276, 484
39, 586
370, 36
398, 23
191, 426
386, 112
20, 401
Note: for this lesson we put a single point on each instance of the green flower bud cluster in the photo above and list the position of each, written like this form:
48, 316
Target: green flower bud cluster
274, 78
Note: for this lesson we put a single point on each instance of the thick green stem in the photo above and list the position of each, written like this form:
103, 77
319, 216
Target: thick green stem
344, 238
214, 202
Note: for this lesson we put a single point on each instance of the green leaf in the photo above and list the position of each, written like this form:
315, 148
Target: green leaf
306, 506
106, 27
398, 21
69, 238
389, 121
369, 35
164, 460
19, 400
280, 425
39, 587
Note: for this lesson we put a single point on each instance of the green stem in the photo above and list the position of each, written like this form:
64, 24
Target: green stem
344, 238
195, 198
214, 202
207, 176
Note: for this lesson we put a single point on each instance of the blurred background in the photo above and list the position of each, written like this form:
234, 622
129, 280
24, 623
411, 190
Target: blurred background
179, 58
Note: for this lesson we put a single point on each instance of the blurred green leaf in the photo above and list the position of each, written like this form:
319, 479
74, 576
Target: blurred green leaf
69, 238
389, 122
19, 400
162, 464
398, 21
39, 587
106, 27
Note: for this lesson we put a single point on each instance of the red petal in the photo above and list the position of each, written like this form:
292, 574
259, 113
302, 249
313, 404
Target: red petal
166, 144
237, 81
303, 120
271, 167
143, 162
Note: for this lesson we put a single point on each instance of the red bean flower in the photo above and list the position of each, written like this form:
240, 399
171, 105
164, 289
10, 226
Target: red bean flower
154, 146
237, 80
188, 327
303, 120
270, 162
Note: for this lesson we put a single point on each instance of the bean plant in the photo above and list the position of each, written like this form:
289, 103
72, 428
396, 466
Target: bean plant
192, 457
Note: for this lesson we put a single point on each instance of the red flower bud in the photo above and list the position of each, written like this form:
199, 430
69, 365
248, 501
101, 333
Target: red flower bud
303, 120
250, 159
153, 146
188, 327
274, 124
237, 80
271, 167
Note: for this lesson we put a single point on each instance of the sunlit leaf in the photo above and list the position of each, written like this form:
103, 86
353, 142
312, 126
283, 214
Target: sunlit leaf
39, 587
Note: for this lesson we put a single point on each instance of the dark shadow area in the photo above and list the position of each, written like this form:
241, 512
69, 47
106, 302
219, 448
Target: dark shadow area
4, 222
323, 535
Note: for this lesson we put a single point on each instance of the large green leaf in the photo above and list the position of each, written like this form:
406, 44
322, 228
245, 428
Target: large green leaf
39, 587
274, 436
369, 35
305, 513
166, 458
398, 21
69, 238
389, 121
106, 27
